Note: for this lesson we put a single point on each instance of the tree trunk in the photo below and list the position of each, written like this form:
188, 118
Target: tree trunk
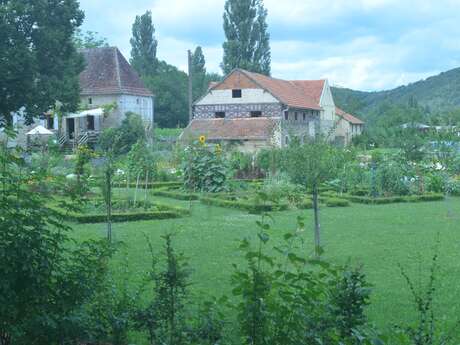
146, 186
109, 205
137, 187
5, 339
317, 224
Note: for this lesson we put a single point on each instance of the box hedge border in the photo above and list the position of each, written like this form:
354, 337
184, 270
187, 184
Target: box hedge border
150, 185
176, 194
164, 212
245, 206
394, 199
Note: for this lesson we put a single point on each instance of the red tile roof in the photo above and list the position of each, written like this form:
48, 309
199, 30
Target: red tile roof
108, 72
303, 94
230, 129
348, 117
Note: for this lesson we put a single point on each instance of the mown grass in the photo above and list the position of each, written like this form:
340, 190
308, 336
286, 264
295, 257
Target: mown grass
376, 237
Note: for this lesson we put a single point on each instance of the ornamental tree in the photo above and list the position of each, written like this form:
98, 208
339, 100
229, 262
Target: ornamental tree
311, 164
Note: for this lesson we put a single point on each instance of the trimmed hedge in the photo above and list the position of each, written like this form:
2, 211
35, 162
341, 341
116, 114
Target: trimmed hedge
162, 212
336, 202
176, 194
305, 205
151, 185
243, 205
394, 199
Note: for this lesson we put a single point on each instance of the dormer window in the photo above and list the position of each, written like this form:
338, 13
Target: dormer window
236, 93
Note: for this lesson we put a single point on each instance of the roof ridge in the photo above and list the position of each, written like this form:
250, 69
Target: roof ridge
117, 68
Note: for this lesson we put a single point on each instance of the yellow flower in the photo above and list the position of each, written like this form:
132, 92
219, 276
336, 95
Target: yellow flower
202, 139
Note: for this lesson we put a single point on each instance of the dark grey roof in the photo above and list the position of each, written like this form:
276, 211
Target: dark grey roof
107, 72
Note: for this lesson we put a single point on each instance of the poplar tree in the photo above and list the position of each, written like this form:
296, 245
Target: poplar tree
144, 45
248, 41
198, 73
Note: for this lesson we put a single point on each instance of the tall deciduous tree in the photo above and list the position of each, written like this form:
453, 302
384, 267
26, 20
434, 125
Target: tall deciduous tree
89, 39
248, 42
39, 62
144, 45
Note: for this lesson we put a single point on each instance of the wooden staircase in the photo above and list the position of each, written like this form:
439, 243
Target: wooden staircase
69, 146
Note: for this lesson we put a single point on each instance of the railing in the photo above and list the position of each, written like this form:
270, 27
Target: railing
83, 139
62, 139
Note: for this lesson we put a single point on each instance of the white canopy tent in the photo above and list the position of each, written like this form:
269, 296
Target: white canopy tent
40, 130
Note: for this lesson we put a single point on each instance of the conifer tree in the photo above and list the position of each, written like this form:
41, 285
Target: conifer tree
248, 42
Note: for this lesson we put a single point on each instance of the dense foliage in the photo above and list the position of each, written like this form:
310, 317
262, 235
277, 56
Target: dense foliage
204, 168
39, 62
144, 45
121, 139
45, 280
247, 42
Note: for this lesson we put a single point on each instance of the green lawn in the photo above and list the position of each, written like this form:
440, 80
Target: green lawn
378, 237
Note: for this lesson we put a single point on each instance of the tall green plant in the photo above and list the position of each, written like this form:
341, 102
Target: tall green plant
45, 280
204, 168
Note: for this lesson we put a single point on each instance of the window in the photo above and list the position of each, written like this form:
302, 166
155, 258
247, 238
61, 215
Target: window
256, 113
286, 140
137, 101
304, 116
286, 115
219, 114
295, 116
90, 100
236, 93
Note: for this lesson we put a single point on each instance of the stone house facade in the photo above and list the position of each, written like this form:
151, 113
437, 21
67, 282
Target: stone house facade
107, 79
290, 109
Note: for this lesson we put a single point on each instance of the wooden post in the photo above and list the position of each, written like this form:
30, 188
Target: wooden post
190, 87
317, 224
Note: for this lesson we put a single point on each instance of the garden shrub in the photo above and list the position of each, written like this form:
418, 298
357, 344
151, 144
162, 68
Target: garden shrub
437, 182
176, 194
336, 202
160, 212
151, 185
391, 179
305, 204
394, 199
249, 206
279, 187
204, 168
122, 138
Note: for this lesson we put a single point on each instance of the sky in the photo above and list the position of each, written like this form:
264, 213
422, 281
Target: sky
360, 44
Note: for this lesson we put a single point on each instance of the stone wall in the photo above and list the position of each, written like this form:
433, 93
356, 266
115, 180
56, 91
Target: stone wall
237, 110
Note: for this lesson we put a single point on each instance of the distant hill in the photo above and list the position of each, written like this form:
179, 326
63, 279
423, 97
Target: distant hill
437, 94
